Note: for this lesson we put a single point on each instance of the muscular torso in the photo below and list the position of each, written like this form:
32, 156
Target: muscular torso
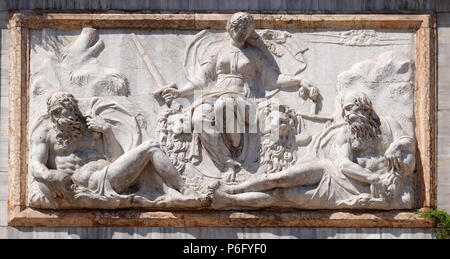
76, 154
370, 154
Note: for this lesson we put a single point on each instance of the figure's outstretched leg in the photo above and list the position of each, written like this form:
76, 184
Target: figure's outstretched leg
167, 170
249, 199
280, 197
307, 174
127, 168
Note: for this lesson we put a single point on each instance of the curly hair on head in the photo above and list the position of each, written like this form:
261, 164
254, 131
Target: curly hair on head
280, 154
65, 99
241, 19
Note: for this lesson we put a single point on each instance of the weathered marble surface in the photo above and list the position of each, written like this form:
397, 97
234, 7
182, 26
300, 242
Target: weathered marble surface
117, 125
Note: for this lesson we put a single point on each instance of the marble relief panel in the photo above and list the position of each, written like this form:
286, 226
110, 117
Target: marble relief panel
239, 118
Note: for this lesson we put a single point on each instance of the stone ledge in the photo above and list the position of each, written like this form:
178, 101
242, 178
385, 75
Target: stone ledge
85, 218
71, 21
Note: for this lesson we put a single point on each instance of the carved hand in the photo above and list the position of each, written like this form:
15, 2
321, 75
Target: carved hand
97, 124
313, 93
58, 182
169, 94
303, 92
307, 89
392, 156
55, 176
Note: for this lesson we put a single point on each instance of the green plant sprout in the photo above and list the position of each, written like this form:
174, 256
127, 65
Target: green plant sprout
442, 219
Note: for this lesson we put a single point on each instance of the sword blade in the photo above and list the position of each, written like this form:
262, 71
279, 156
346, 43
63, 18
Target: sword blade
154, 72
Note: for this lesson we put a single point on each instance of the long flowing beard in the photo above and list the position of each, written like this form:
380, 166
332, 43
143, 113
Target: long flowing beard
67, 130
363, 129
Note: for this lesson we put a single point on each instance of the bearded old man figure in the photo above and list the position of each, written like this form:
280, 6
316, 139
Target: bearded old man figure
367, 164
69, 149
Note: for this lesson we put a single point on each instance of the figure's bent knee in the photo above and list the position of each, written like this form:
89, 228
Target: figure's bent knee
219, 104
203, 111
149, 147
197, 119
203, 118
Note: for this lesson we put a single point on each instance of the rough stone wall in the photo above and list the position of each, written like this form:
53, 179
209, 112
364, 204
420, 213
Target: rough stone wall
441, 7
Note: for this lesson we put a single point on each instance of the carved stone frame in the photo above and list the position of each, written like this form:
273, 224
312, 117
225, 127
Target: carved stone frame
423, 25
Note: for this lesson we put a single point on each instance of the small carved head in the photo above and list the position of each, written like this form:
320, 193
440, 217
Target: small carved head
172, 121
279, 153
240, 26
280, 118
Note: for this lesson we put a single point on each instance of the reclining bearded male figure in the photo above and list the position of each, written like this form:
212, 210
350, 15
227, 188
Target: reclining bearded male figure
371, 156
70, 149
